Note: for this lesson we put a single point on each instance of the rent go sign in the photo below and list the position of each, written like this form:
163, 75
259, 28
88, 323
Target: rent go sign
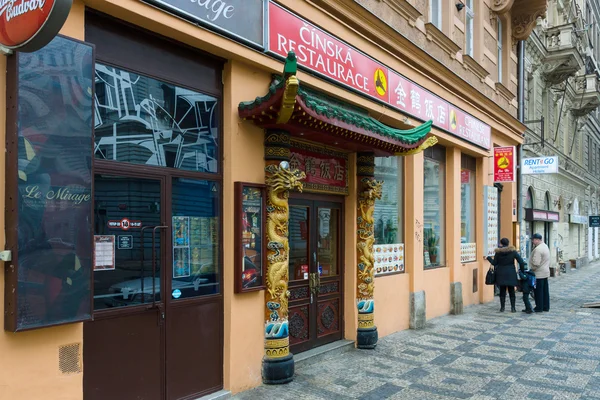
540, 165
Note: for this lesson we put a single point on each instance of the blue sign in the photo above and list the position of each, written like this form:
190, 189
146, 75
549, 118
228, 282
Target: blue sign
176, 293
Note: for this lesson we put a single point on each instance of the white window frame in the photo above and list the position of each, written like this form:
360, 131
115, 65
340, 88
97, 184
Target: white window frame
500, 33
435, 10
469, 27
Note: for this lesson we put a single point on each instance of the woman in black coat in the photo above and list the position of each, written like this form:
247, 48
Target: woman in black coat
506, 274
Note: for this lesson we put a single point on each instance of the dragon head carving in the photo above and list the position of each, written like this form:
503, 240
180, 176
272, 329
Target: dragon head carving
372, 189
282, 179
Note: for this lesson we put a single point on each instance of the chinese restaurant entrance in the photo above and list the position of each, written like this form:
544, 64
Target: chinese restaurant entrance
157, 328
316, 271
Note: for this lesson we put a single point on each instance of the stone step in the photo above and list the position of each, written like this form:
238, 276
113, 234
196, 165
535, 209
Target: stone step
220, 395
321, 353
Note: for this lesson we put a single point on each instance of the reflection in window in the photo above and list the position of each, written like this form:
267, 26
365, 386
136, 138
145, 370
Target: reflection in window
388, 211
468, 247
298, 226
195, 229
469, 17
434, 207
142, 120
327, 242
130, 281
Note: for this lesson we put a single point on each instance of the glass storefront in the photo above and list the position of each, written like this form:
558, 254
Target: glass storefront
434, 207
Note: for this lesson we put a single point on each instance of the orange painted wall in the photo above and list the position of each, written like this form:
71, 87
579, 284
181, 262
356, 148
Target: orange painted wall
244, 162
29, 360
436, 283
391, 303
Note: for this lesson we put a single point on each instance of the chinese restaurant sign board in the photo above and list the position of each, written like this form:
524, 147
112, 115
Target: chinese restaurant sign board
326, 170
29, 25
49, 228
241, 19
335, 60
505, 161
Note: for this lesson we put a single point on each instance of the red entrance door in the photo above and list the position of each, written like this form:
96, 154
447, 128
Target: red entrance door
316, 273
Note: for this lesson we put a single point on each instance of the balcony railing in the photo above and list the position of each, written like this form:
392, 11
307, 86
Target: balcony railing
565, 53
587, 94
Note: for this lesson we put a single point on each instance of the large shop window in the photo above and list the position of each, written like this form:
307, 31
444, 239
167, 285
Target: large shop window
434, 207
49, 183
388, 216
145, 121
468, 247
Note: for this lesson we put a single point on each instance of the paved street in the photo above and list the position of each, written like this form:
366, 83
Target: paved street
482, 354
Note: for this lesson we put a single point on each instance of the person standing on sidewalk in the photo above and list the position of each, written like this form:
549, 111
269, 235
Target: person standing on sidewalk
506, 274
540, 265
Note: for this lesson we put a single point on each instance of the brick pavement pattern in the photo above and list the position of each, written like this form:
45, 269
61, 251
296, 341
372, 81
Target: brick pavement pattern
481, 354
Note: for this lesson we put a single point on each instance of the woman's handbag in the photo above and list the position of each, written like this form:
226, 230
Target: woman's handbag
490, 277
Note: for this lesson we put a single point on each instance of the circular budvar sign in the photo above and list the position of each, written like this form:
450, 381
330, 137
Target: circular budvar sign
29, 25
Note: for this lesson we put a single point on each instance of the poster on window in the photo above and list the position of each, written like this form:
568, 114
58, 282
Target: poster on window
490, 211
468, 252
104, 252
181, 262
389, 258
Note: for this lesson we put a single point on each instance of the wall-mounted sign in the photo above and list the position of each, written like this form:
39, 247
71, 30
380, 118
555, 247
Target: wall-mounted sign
326, 170
540, 165
242, 20
29, 25
335, 60
505, 161
578, 219
594, 221
541, 215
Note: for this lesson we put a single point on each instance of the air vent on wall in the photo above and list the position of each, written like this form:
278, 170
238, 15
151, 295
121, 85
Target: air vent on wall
69, 359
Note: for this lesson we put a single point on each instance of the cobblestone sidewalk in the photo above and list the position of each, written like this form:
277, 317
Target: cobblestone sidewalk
482, 354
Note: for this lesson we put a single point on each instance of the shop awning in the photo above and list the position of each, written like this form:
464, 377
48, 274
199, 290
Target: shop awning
317, 117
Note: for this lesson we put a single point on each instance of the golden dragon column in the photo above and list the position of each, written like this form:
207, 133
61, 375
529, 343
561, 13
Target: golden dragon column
278, 362
369, 190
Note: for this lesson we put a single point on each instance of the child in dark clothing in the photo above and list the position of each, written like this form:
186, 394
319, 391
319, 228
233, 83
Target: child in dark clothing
527, 281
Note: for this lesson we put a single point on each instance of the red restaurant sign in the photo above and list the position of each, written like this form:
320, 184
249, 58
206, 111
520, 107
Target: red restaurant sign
29, 25
505, 161
329, 57
326, 170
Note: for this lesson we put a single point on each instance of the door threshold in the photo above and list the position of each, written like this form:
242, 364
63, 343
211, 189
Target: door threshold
220, 395
321, 353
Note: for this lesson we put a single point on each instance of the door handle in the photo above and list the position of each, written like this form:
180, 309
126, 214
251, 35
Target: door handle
154, 264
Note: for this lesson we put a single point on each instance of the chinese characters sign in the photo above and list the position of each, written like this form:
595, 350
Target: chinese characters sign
326, 170
504, 164
337, 61
490, 212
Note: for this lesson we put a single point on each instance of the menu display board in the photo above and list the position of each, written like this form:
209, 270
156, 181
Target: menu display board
389, 258
104, 252
250, 224
490, 211
468, 252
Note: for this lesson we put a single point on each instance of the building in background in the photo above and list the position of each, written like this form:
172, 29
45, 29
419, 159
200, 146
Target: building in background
562, 89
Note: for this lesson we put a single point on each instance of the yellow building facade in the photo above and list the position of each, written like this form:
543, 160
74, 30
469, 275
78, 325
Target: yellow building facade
222, 268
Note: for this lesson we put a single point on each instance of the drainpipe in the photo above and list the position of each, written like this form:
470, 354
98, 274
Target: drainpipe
521, 117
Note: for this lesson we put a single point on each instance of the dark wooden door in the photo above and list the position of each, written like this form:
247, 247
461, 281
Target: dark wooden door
157, 328
316, 273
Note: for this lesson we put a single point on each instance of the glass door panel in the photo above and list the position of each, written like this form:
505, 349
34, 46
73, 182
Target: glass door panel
126, 210
195, 232
299, 243
327, 241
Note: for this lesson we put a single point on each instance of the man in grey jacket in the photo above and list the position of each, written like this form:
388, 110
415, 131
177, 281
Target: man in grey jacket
540, 265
